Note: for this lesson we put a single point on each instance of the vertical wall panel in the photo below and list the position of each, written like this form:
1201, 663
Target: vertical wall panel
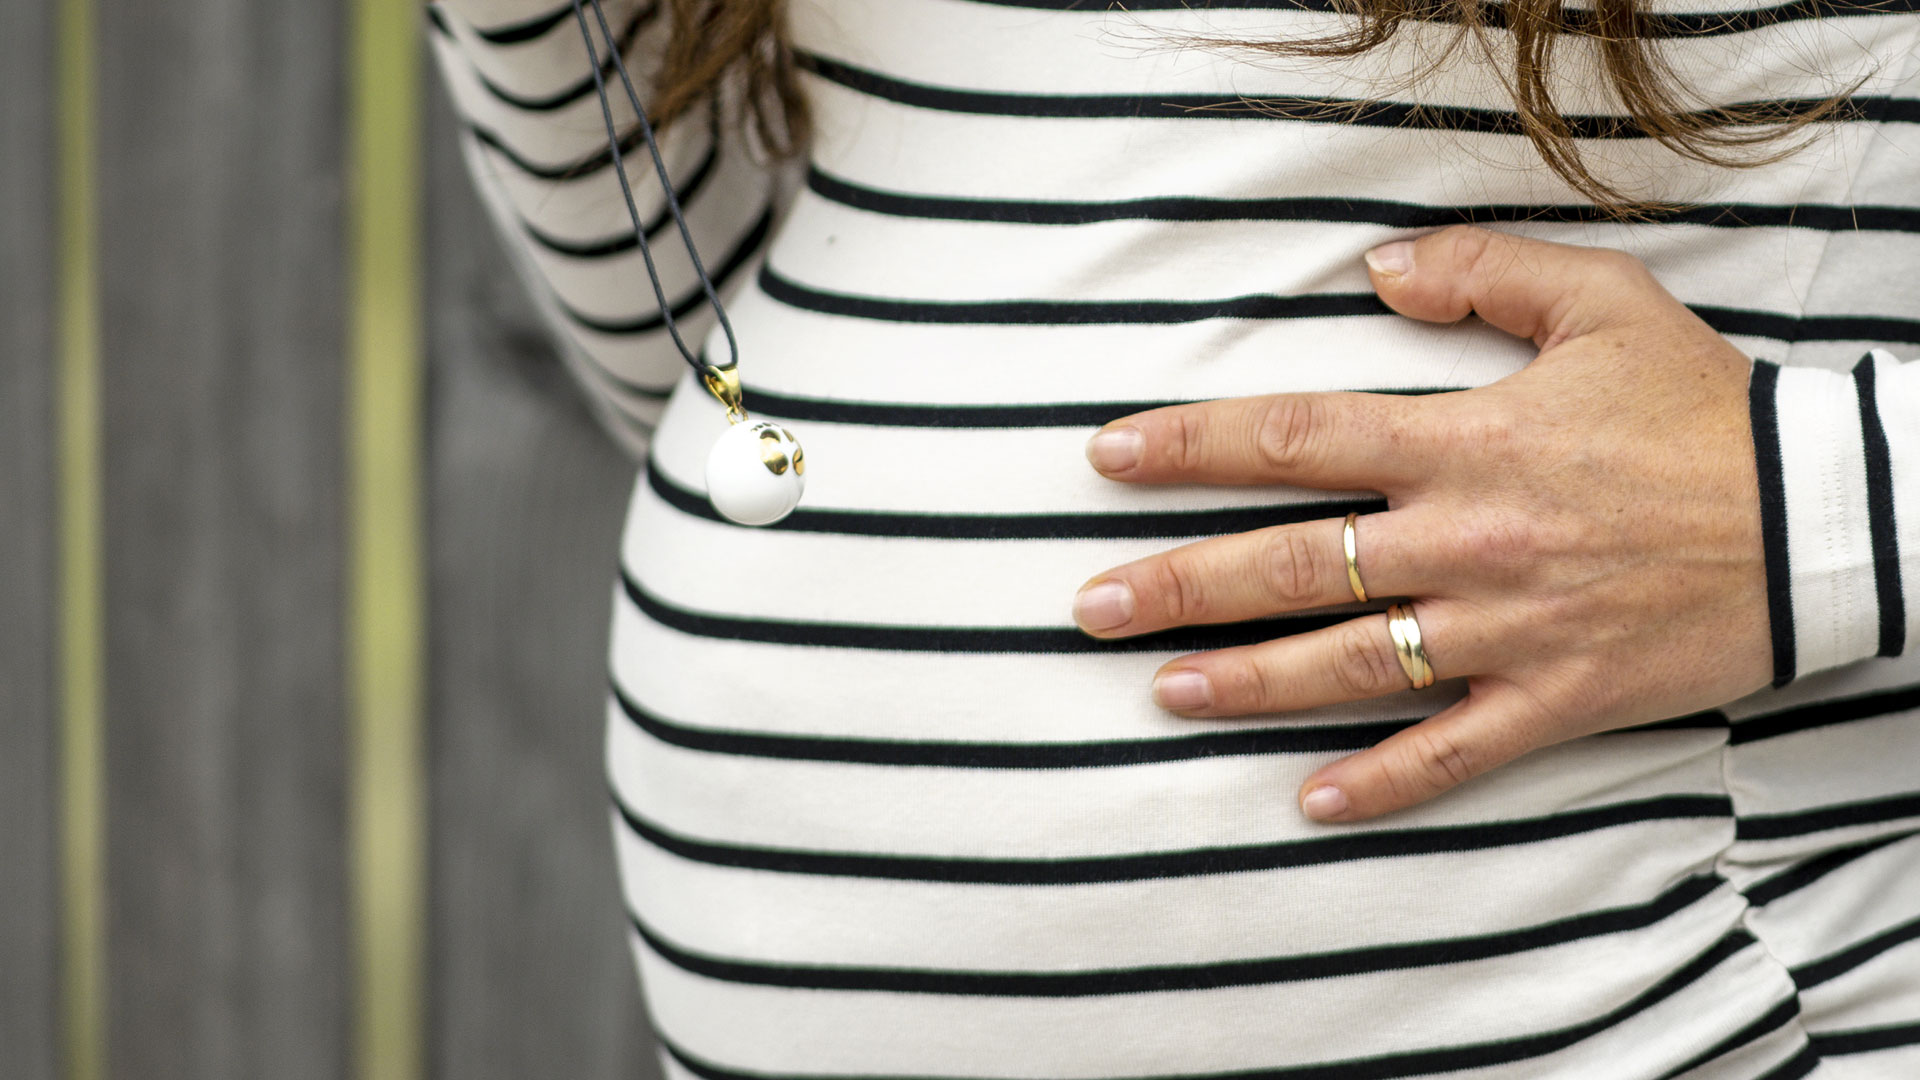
530, 967
387, 806
29, 928
221, 230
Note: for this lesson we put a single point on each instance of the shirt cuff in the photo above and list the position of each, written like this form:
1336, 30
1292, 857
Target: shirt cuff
1833, 450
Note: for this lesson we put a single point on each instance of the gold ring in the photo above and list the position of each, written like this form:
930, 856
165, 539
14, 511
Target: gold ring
1353, 558
1406, 645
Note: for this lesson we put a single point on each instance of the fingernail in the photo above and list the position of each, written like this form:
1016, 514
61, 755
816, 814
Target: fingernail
1182, 690
1324, 802
1103, 606
1116, 450
1392, 259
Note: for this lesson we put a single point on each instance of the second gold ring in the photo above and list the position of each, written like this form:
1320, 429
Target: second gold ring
1407, 645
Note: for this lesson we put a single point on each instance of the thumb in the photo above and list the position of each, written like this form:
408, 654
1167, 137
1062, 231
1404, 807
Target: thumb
1535, 289
1490, 727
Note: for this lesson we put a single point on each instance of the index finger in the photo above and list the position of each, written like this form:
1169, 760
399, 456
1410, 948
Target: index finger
1323, 439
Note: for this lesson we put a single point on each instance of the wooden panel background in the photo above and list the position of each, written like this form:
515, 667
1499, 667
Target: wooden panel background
221, 224
529, 961
223, 278
29, 977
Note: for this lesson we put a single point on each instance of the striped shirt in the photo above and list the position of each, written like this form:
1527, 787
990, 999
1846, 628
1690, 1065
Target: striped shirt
880, 810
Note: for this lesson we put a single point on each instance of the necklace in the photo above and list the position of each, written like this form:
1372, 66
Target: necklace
756, 470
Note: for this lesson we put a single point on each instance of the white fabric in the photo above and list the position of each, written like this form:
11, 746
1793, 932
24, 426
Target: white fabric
880, 811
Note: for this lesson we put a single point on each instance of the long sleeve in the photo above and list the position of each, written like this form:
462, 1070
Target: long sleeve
535, 144
1839, 467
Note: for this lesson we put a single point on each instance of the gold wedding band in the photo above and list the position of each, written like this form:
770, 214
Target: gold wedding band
1406, 645
1353, 558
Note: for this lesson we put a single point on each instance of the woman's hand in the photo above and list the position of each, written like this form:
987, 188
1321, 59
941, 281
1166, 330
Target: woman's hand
1581, 539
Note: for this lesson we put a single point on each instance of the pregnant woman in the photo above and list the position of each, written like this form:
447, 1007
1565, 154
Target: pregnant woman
1242, 621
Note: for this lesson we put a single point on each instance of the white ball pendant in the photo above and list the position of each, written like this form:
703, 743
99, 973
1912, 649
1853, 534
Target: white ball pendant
755, 473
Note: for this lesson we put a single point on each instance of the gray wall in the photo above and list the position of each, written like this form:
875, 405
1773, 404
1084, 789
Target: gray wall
228, 951
529, 962
28, 808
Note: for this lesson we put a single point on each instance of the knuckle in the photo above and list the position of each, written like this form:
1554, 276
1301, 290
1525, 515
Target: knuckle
1364, 664
1251, 686
1623, 264
1469, 244
1293, 567
1179, 589
1288, 429
1438, 760
1490, 426
1404, 785
1241, 685
1499, 540
1186, 441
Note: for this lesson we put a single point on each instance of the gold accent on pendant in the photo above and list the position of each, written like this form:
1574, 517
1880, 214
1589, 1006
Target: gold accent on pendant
774, 458
724, 384
799, 459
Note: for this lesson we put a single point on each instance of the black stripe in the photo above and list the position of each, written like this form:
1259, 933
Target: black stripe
1802, 822
1192, 862
1087, 754
1763, 413
577, 169
1374, 1067
1090, 526
560, 99
1005, 755
1809, 975
785, 290
1867, 1040
1825, 714
1795, 1067
1798, 877
1494, 16
1880, 516
515, 33
962, 639
1799, 328
1356, 111
1067, 312
913, 414
1699, 721
582, 167
1341, 210
742, 254
569, 170
1211, 976
622, 242
1782, 1014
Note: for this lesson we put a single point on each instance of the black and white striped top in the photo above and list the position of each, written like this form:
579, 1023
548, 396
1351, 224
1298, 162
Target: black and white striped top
882, 811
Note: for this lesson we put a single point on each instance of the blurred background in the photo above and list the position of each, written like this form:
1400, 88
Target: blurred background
306, 550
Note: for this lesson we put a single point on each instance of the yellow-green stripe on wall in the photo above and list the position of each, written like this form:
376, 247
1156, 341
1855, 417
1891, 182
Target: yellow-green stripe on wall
385, 620
81, 652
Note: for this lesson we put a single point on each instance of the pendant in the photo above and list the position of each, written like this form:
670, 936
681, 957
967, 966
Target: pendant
755, 471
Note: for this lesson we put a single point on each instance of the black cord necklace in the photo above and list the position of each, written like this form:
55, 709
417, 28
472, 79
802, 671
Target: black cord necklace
756, 471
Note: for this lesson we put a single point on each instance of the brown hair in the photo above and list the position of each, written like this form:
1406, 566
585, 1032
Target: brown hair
710, 38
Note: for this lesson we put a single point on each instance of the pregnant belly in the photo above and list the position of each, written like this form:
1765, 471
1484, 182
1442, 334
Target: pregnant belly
881, 808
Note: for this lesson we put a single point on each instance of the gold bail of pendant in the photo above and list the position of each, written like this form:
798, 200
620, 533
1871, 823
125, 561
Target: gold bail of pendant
724, 384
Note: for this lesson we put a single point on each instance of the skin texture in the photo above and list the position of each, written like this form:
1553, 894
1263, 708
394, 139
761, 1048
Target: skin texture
1581, 540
